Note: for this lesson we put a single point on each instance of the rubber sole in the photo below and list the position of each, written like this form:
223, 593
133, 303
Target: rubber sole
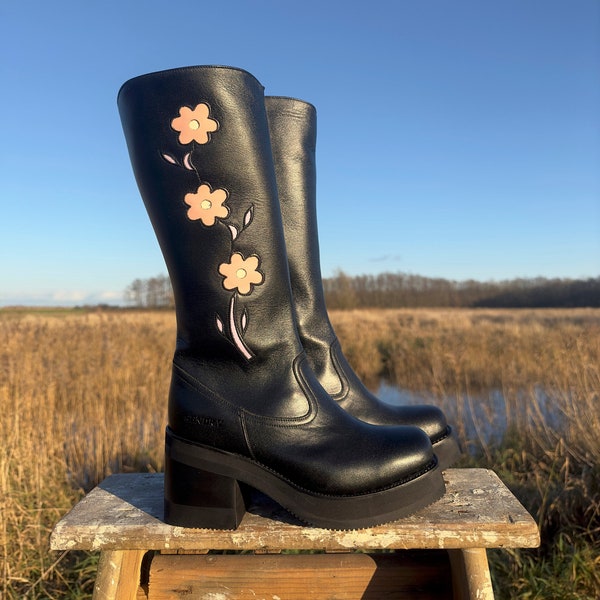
202, 490
447, 450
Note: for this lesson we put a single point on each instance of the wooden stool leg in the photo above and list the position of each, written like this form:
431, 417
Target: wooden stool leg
118, 575
471, 574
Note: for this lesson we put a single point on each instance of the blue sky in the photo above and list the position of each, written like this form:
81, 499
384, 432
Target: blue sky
456, 139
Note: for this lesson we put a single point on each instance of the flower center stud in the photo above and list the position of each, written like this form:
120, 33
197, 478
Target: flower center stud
206, 204
241, 273
194, 124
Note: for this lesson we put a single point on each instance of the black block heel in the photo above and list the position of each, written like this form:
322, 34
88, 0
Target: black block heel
201, 499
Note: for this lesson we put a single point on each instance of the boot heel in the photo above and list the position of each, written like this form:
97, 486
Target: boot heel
200, 499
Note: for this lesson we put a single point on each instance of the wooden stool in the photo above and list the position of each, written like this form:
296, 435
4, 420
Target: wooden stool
437, 553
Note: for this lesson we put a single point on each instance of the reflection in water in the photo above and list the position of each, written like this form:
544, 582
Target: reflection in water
482, 419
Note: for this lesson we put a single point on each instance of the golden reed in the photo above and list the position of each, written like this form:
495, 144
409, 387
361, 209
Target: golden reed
83, 394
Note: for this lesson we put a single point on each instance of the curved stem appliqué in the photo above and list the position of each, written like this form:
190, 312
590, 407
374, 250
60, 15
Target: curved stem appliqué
235, 334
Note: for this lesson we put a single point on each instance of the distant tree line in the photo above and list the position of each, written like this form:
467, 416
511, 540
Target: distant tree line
398, 290
155, 292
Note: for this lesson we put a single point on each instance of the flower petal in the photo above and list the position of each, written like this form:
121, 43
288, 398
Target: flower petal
220, 195
201, 137
237, 260
256, 277
201, 111
251, 263
244, 287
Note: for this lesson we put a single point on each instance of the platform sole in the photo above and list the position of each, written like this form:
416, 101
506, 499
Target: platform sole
202, 489
447, 450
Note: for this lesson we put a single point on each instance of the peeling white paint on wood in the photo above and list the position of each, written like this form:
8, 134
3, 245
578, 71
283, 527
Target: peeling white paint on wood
125, 511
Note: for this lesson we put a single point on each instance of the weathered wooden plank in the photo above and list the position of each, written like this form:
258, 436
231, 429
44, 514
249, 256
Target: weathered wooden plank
471, 578
125, 512
118, 575
424, 575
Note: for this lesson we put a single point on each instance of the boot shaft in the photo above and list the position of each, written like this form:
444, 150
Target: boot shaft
199, 145
293, 130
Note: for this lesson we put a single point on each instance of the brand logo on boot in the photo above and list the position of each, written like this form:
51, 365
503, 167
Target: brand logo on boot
204, 421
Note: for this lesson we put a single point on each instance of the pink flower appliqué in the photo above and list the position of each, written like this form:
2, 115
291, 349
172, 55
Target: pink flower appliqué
206, 205
194, 125
241, 273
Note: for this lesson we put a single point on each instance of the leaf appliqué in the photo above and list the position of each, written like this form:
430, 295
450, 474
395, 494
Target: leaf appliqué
248, 216
234, 232
219, 324
187, 162
170, 159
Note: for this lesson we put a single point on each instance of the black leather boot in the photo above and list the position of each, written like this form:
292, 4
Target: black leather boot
245, 406
292, 125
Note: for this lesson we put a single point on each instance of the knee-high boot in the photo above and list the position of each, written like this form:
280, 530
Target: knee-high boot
244, 405
292, 125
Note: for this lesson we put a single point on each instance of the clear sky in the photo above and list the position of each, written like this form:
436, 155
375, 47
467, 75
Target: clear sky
457, 138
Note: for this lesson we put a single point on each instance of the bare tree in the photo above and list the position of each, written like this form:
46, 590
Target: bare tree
154, 292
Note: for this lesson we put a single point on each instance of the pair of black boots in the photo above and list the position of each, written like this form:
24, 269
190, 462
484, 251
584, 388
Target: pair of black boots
261, 393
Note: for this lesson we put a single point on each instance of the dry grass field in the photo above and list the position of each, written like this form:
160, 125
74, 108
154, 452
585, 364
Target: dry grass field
83, 395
